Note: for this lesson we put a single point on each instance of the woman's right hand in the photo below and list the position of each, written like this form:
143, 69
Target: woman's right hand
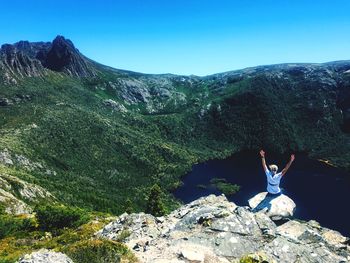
292, 157
262, 153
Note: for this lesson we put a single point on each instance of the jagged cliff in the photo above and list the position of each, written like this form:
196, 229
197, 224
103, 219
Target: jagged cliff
32, 59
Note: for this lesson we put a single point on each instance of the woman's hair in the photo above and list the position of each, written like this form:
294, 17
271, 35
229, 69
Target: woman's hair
273, 168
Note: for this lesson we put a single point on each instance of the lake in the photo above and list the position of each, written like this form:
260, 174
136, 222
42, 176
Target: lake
321, 192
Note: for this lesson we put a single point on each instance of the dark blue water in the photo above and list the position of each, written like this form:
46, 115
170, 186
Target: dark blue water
321, 192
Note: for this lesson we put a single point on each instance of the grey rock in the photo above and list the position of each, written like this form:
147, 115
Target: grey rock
114, 105
276, 208
212, 229
16, 62
64, 57
12, 204
8, 158
16, 195
5, 102
5, 157
45, 256
134, 91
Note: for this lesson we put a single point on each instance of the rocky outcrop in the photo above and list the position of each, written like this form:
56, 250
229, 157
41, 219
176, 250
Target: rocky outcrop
16, 195
276, 207
45, 256
64, 57
16, 63
12, 204
133, 91
212, 229
32, 59
8, 158
114, 105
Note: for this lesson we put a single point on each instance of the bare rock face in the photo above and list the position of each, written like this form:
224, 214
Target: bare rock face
134, 91
45, 256
16, 194
114, 105
64, 57
212, 229
15, 62
12, 204
277, 208
5, 157
33, 59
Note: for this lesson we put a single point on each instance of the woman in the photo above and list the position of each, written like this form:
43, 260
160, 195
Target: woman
274, 178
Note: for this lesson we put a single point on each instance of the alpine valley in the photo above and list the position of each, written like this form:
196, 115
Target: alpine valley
91, 141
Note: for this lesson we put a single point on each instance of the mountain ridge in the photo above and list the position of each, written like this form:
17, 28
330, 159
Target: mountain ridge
92, 118
90, 136
33, 48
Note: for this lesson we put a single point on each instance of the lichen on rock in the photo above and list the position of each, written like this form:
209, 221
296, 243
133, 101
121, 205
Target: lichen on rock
45, 256
212, 229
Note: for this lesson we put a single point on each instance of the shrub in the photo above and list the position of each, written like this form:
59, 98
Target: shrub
55, 217
13, 224
128, 206
155, 205
99, 251
254, 258
123, 235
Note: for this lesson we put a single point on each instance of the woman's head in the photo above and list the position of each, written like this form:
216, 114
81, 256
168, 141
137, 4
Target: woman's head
273, 168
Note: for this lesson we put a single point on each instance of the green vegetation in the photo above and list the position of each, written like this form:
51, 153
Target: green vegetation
79, 243
97, 251
217, 180
128, 206
223, 186
96, 158
155, 205
123, 235
56, 217
15, 225
254, 258
227, 188
103, 157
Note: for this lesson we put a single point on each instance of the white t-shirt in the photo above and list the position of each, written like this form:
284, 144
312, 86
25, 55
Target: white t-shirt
273, 182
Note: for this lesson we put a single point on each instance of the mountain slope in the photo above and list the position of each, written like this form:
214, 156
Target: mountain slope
111, 134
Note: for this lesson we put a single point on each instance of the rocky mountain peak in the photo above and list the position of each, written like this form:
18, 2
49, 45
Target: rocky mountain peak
63, 56
27, 59
63, 42
16, 62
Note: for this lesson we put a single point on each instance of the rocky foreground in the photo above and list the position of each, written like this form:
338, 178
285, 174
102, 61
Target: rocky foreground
212, 229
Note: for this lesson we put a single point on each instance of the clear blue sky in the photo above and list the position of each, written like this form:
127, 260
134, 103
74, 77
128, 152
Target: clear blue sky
186, 37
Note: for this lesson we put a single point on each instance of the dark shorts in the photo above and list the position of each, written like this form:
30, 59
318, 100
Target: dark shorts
273, 195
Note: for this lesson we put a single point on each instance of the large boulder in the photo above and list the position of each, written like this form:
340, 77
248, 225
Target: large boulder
45, 256
276, 207
212, 229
